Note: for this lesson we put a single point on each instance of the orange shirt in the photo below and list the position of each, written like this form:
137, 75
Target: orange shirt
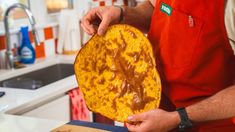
193, 53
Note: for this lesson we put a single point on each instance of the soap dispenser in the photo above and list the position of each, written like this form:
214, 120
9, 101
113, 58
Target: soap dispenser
26, 51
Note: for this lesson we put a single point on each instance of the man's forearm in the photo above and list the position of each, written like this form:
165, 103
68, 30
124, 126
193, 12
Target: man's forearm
139, 16
218, 106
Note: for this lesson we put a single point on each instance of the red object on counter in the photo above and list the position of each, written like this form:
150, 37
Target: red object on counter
79, 109
193, 54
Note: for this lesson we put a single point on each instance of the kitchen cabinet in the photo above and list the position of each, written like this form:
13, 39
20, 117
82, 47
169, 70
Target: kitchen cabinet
58, 109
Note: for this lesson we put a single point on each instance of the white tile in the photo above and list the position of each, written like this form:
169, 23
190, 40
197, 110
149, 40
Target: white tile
15, 39
33, 44
49, 47
55, 32
108, 3
119, 2
95, 4
41, 35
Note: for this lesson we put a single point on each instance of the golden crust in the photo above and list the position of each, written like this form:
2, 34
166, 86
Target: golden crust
117, 75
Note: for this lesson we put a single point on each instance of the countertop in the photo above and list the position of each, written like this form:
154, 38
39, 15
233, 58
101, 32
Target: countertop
17, 101
10, 123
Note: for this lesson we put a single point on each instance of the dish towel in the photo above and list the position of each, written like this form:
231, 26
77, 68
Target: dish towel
79, 109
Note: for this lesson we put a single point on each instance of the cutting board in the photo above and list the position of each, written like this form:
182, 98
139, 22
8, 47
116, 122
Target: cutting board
72, 128
83, 126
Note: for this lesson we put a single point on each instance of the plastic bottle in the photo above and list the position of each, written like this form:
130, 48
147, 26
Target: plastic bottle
26, 51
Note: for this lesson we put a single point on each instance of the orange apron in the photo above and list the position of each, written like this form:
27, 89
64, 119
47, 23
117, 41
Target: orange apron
193, 54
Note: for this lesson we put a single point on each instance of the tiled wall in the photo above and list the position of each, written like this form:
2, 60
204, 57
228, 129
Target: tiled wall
109, 2
48, 35
48, 41
114, 2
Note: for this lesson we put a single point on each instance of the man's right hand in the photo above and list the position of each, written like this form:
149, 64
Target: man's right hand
98, 19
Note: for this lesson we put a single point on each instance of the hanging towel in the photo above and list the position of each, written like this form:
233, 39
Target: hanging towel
79, 109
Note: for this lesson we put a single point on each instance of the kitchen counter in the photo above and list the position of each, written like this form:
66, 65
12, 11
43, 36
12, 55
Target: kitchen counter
18, 101
10, 123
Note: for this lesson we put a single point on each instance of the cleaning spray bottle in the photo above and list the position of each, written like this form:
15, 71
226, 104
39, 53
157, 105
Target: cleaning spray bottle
26, 51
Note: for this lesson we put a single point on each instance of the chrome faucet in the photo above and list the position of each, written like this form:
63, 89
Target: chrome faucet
9, 54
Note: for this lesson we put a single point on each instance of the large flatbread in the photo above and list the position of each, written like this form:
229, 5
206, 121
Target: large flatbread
117, 75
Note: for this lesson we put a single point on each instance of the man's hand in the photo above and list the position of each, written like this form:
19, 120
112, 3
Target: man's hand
98, 19
153, 121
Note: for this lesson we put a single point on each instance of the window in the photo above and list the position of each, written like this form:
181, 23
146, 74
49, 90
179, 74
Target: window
54, 6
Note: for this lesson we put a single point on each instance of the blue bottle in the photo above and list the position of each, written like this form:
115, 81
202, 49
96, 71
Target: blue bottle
26, 50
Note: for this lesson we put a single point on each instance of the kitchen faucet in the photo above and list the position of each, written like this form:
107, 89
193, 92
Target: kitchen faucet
9, 54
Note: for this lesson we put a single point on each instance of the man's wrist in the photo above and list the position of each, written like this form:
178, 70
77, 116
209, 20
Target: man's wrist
185, 122
121, 17
176, 118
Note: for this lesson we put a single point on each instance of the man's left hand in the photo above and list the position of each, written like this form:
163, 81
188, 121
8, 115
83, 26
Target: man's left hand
154, 120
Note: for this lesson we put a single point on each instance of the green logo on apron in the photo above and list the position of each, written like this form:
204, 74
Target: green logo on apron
166, 9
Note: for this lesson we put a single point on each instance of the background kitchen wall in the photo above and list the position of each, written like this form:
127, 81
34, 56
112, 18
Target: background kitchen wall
47, 24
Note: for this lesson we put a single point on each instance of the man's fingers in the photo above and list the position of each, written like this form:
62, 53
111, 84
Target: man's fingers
86, 29
104, 25
88, 26
137, 117
132, 128
87, 21
97, 17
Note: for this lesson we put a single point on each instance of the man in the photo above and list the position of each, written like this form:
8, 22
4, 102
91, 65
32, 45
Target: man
194, 56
